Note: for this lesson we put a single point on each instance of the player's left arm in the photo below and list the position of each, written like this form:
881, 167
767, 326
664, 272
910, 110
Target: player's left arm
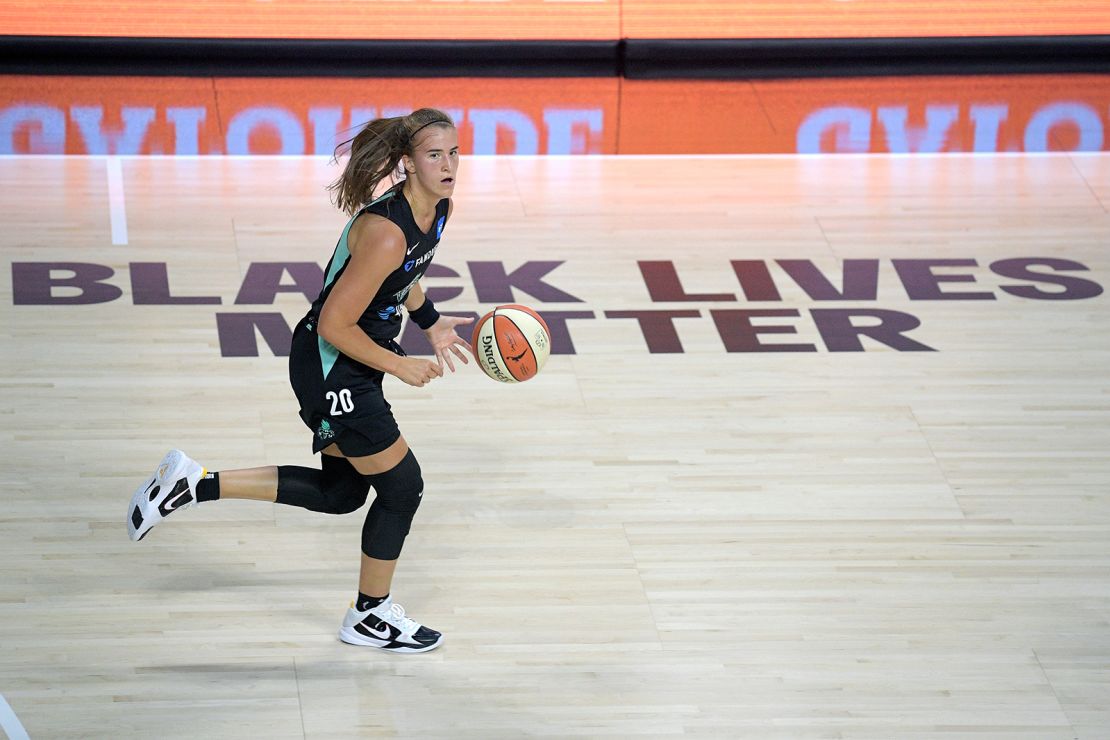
441, 334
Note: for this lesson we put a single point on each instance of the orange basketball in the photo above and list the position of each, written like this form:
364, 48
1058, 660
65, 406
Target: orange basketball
511, 343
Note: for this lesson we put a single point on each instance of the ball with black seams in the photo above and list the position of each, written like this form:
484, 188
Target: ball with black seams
511, 343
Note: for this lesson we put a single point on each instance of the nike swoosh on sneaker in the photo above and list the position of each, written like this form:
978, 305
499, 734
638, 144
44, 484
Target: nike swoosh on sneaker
179, 496
385, 634
171, 505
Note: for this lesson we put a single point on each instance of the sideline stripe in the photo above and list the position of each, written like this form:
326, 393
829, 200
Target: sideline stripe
116, 205
9, 723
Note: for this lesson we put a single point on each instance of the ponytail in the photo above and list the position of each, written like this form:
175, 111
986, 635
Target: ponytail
375, 155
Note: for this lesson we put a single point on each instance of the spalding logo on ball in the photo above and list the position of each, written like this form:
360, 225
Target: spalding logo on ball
511, 343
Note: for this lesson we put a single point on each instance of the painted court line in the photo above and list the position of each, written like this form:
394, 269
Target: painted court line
116, 205
9, 723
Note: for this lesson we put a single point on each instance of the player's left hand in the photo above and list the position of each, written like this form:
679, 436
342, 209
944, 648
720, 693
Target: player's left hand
446, 342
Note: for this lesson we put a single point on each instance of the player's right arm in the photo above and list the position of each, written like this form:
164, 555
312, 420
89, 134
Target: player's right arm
376, 247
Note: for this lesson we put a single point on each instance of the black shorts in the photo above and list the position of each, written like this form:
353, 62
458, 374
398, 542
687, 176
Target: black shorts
341, 399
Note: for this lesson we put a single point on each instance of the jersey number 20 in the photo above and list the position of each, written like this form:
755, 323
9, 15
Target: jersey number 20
340, 400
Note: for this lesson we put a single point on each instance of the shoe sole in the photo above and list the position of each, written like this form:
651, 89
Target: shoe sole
169, 471
353, 638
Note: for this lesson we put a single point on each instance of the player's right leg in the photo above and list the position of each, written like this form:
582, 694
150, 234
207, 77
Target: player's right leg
172, 486
335, 488
179, 482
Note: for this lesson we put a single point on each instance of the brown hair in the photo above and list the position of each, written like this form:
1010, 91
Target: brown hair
375, 154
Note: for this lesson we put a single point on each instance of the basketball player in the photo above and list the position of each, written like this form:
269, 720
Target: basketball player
341, 351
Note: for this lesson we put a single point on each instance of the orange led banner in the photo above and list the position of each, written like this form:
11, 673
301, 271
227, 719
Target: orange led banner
752, 19
306, 116
552, 19
1024, 113
597, 20
150, 115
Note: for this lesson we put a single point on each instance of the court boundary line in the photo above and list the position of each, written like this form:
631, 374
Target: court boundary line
117, 202
10, 723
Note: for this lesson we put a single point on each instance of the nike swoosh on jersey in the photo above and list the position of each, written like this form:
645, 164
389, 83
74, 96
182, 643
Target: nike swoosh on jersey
409, 250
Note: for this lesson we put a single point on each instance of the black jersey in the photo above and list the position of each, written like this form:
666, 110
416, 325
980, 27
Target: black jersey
382, 317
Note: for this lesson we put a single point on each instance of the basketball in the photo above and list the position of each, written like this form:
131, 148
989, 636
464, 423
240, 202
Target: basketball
511, 343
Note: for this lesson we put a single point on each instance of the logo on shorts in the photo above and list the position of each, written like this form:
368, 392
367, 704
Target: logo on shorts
325, 431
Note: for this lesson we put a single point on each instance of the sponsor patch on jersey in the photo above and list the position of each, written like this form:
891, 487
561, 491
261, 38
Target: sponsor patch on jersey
439, 226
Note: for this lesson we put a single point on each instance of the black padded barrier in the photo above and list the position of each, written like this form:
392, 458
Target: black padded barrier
66, 55
631, 58
767, 58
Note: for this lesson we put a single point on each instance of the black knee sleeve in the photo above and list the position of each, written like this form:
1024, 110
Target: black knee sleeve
387, 523
337, 488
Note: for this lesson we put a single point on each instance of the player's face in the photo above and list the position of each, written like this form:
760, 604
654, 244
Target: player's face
435, 159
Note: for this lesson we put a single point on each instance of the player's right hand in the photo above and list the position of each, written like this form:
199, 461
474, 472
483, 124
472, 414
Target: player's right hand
418, 372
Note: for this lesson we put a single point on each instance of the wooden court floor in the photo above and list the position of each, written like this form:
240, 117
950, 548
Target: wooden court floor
825, 453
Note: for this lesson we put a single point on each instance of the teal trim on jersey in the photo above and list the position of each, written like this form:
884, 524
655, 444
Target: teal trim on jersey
328, 355
342, 249
388, 194
340, 256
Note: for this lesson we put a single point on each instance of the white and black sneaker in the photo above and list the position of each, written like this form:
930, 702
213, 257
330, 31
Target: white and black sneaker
386, 627
171, 487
